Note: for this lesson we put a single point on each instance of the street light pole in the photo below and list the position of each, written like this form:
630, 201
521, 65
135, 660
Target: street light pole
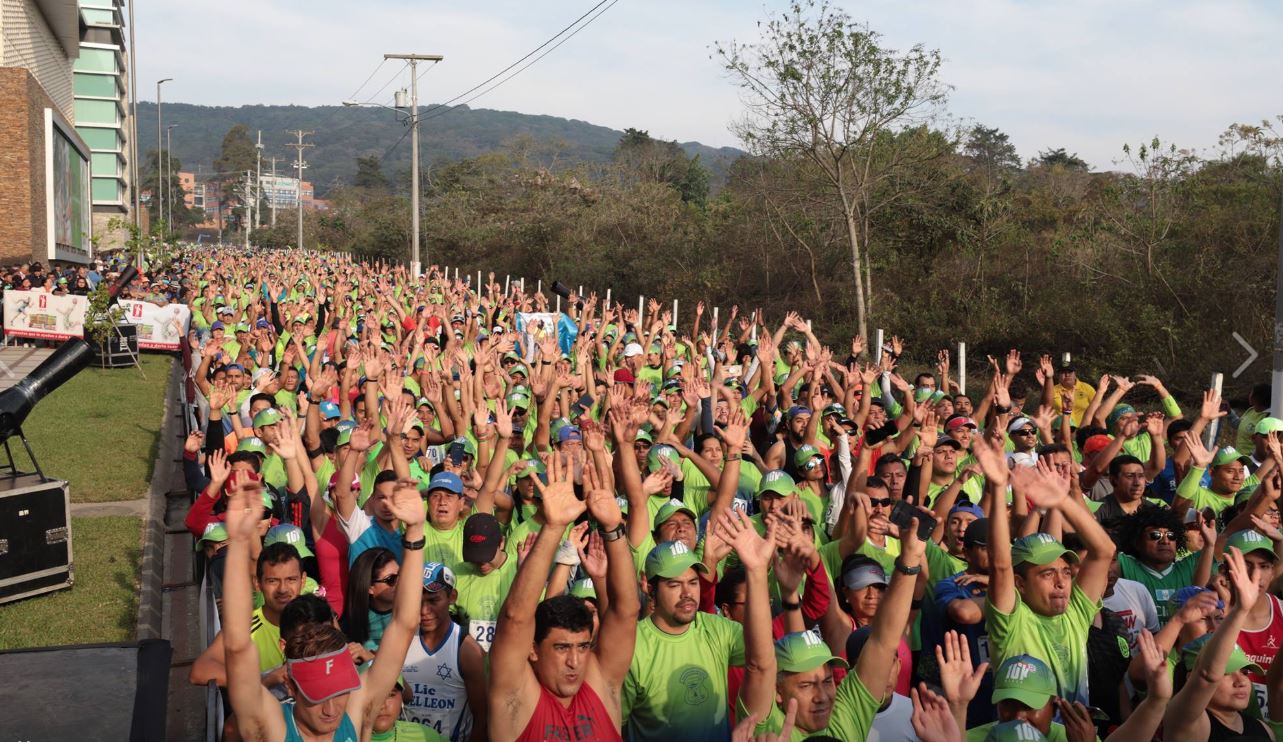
416, 267
160, 129
169, 177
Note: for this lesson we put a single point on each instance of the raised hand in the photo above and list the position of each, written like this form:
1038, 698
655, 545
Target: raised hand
560, 506
592, 556
219, 470
1079, 726
1042, 484
1158, 683
736, 430
1211, 406
1124, 383
1245, 589
929, 434
1197, 451
601, 500
992, 460
195, 440
1013, 362
406, 502
958, 678
362, 437
1154, 425
245, 508
933, 721
503, 419
755, 552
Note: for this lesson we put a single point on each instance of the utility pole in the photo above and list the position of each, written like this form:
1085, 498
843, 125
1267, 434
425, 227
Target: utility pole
271, 201
249, 208
169, 178
159, 196
258, 178
299, 165
415, 264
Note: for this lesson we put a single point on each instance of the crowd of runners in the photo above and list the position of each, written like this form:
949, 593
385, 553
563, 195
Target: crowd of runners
436, 510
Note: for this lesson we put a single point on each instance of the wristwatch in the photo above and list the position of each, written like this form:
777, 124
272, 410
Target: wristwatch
791, 606
418, 545
899, 567
735, 457
612, 535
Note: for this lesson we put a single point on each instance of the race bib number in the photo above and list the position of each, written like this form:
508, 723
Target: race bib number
982, 644
1261, 697
483, 632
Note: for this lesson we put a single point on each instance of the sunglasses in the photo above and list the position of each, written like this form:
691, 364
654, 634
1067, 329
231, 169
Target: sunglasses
1159, 535
390, 580
884, 502
1025, 431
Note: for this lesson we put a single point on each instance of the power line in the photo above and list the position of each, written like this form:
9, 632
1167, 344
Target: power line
527, 66
531, 53
378, 92
367, 80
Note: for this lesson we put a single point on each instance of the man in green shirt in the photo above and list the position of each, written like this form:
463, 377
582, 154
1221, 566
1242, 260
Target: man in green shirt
483, 577
804, 665
677, 683
1035, 604
1229, 472
1024, 689
1149, 542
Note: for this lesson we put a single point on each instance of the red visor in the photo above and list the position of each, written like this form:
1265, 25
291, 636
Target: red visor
325, 676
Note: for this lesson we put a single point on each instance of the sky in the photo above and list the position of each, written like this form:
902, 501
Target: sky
1087, 75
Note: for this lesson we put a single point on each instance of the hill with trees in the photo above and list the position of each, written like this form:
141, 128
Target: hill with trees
344, 134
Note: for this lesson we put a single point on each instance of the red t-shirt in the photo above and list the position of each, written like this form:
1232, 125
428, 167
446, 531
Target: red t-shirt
331, 560
1262, 645
586, 719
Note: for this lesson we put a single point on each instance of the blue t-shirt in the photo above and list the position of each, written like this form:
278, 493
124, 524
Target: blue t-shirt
981, 709
374, 536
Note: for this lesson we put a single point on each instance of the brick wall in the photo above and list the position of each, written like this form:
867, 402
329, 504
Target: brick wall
29, 42
24, 228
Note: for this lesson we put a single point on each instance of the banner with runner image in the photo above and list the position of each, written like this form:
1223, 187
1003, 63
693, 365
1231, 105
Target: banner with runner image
39, 314
159, 327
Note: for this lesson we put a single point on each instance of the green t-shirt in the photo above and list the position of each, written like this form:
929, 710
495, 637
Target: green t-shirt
273, 471
854, 709
408, 731
267, 639
1060, 641
676, 686
1246, 427
444, 546
652, 376
481, 597
1200, 497
1054, 734
1161, 585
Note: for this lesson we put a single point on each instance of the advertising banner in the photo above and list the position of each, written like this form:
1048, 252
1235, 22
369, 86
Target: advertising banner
37, 314
159, 327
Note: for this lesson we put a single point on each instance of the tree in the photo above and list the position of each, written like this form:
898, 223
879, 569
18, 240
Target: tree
369, 173
657, 161
238, 156
991, 149
1058, 157
824, 88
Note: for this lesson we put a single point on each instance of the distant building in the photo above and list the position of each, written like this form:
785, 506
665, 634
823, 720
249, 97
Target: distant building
102, 113
45, 191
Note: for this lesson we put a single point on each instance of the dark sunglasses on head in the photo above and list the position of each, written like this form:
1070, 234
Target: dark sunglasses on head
1159, 535
390, 580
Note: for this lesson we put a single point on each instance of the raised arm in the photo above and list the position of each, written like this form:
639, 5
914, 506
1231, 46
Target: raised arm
618, 632
1047, 488
1002, 576
756, 554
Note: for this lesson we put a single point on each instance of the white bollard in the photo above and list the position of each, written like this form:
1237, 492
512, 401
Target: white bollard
962, 368
505, 284
674, 313
558, 303
607, 304
641, 312
877, 348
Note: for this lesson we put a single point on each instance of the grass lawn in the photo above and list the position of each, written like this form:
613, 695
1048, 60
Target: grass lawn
101, 430
101, 606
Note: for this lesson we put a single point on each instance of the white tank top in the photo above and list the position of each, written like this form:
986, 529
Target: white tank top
440, 696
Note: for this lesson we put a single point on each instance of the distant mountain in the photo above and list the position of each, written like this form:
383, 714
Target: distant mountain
341, 134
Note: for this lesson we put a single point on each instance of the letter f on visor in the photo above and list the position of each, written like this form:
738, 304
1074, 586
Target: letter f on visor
325, 676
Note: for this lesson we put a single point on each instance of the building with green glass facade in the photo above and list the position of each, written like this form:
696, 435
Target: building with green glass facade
101, 85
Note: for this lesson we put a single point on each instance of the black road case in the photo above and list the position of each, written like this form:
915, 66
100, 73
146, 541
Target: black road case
35, 537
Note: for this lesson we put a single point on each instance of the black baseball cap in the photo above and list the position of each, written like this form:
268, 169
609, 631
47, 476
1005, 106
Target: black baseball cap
977, 533
481, 537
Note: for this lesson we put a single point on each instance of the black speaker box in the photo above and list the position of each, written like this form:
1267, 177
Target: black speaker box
35, 537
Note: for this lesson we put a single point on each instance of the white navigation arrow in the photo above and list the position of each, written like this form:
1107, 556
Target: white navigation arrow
1252, 354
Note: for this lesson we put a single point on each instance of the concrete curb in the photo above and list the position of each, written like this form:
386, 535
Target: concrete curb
152, 569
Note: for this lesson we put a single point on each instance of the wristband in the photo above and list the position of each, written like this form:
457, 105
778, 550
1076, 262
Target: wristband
414, 545
735, 457
911, 571
612, 535
1002, 410
790, 606
915, 604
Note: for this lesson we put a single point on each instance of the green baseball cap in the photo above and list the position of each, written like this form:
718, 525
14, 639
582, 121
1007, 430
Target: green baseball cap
1228, 455
518, 401
833, 409
1269, 425
345, 437
803, 651
1238, 659
252, 444
533, 467
555, 427
777, 482
661, 452
1040, 549
644, 434
804, 454
1249, 540
288, 534
583, 589
214, 533
270, 416
671, 508
670, 559
1026, 679
1016, 730
659, 401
